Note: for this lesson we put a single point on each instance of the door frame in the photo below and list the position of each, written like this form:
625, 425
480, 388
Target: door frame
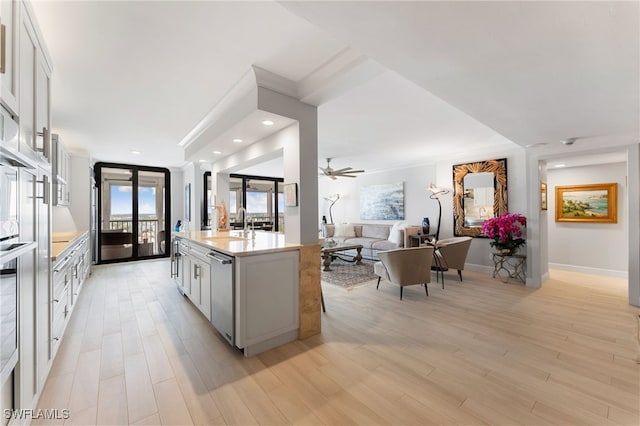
135, 169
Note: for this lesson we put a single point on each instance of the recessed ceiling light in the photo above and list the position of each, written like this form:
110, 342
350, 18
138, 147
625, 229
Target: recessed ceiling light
217, 152
133, 151
560, 165
237, 140
268, 122
202, 161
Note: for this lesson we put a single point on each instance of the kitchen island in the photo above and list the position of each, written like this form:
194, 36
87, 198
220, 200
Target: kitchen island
246, 285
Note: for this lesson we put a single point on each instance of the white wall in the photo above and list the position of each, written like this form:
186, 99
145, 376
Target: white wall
479, 254
285, 143
178, 181
600, 248
633, 202
77, 215
416, 196
417, 202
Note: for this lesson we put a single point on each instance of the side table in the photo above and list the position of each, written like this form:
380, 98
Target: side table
506, 266
420, 239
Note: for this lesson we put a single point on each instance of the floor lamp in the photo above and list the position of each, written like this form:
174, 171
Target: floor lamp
435, 195
333, 199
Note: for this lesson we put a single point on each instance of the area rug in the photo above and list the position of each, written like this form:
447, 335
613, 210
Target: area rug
348, 275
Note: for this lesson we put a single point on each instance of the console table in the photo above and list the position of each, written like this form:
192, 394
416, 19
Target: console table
507, 266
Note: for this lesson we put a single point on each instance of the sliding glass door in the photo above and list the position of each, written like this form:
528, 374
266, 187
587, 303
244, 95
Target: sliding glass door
133, 212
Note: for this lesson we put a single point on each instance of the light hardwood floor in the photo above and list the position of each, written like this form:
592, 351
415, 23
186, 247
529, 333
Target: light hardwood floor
477, 352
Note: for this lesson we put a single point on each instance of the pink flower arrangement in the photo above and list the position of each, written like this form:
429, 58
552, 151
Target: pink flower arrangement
506, 231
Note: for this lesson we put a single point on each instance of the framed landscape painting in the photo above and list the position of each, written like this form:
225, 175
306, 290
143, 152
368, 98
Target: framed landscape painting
597, 203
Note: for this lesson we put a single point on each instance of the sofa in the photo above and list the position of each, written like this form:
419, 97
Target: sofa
373, 237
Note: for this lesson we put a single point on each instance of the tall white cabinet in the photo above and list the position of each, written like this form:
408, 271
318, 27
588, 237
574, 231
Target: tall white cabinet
9, 28
25, 90
34, 89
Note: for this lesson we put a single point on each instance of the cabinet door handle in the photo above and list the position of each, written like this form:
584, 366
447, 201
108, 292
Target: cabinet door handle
45, 189
56, 339
56, 300
3, 52
45, 145
195, 271
46, 195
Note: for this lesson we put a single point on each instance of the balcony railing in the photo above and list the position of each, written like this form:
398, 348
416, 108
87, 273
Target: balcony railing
147, 233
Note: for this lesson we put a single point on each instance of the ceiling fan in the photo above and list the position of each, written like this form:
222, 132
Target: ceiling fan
334, 174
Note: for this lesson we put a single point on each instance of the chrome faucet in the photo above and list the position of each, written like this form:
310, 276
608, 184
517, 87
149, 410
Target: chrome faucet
253, 227
245, 223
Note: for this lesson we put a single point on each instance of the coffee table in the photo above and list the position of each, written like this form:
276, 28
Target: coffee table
330, 252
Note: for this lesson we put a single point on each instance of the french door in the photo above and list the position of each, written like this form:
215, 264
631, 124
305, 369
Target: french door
134, 214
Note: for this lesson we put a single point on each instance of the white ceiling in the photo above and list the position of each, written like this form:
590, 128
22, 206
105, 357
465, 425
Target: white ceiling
459, 76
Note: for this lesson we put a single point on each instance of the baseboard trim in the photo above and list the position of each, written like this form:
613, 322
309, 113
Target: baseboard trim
588, 270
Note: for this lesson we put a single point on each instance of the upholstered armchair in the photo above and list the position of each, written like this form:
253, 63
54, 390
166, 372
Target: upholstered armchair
452, 253
405, 266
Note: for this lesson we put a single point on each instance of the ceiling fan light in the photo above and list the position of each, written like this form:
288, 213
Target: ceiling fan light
343, 172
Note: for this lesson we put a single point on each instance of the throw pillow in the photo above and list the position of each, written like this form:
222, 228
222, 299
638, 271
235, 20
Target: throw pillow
395, 234
344, 230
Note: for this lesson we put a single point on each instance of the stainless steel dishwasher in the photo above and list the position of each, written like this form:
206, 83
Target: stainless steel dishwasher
222, 294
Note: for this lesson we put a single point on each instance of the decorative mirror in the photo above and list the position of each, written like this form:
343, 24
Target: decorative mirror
479, 193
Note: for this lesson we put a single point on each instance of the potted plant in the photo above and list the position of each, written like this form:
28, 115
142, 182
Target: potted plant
507, 231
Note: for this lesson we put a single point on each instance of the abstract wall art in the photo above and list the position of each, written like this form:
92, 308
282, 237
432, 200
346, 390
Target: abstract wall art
382, 202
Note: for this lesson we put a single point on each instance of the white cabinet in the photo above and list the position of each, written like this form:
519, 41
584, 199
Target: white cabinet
201, 284
70, 270
60, 304
9, 28
34, 284
185, 281
34, 92
61, 170
25, 374
196, 277
258, 300
266, 301
25, 87
43, 279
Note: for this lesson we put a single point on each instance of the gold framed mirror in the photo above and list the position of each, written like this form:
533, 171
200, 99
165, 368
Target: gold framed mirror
479, 193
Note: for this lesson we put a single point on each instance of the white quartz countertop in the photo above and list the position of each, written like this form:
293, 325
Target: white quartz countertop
236, 243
